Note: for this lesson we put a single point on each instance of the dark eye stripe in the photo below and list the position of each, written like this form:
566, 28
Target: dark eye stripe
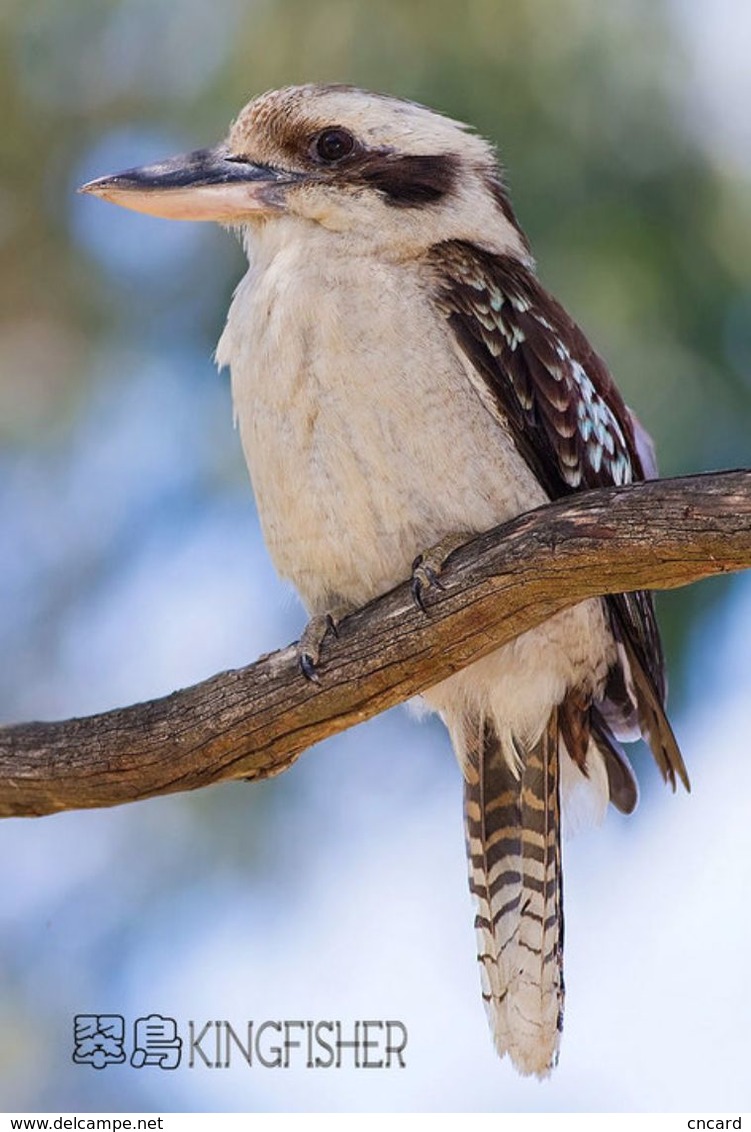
406, 180
410, 180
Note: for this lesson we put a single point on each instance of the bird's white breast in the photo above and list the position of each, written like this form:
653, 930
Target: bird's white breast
364, 439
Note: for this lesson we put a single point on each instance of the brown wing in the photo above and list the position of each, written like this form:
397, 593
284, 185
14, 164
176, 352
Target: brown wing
574, 430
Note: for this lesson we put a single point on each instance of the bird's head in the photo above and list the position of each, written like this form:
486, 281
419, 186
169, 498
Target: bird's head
383, 171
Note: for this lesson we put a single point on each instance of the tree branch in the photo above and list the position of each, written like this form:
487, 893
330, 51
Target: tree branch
253, 722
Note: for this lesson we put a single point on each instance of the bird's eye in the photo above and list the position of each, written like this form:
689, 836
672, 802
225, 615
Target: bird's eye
333, 145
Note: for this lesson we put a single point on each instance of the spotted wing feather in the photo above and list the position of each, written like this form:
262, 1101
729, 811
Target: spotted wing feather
535, 368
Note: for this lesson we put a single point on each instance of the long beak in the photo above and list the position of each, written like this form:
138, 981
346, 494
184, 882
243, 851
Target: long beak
207, 184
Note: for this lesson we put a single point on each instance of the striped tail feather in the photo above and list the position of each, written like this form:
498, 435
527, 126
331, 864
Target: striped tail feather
512, 816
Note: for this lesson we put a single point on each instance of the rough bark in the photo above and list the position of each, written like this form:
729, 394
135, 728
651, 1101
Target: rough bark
253, 722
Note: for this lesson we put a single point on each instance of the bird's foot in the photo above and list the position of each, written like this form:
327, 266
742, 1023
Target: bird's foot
311, 642
428, 567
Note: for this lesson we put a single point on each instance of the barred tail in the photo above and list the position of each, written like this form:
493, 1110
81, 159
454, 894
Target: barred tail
512, 814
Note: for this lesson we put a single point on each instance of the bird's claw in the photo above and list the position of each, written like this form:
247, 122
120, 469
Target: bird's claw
308, 667
424, 576
428, 567
310, 643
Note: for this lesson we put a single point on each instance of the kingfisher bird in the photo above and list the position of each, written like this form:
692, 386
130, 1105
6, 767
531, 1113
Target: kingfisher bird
402, 380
